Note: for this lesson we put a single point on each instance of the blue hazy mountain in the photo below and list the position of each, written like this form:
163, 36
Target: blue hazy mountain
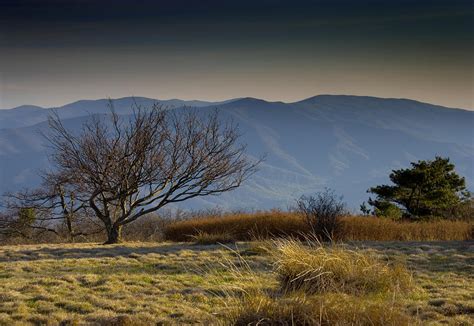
347, 143
27, 115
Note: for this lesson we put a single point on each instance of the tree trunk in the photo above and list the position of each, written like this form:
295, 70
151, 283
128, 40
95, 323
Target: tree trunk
69, 228
114, 234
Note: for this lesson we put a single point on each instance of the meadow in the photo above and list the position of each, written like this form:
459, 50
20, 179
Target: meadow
185, 283
246, 269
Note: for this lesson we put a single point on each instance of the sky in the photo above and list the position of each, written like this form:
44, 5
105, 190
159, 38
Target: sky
58, 51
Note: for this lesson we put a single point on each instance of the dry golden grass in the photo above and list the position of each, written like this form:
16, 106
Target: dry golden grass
176, 284
444, 271
330, 309
243, 226
135, 283
204, 238
323, 285
382, 229
313, 268
273, 224
439, 269
266, 225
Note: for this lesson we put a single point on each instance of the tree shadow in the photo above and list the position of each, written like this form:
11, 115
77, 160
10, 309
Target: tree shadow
53, 253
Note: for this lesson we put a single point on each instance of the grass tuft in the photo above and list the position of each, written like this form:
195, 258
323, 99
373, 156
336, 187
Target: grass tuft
314, 268
320, 286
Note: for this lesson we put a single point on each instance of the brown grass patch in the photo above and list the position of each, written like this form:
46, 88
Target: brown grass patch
204, 238
382, 229
271, 224
243, 226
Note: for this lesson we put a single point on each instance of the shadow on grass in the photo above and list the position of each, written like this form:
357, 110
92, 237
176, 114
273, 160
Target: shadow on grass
48, 253
428, 256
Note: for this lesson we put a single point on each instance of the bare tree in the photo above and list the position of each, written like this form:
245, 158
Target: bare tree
54, 202
24, 222
124, 169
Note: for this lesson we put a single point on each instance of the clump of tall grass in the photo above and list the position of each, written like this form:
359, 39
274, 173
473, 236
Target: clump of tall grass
313, 268
320, 286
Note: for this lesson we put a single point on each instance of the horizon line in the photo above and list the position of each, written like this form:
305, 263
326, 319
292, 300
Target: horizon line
233, 99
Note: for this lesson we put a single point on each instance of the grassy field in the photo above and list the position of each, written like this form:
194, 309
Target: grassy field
182, 283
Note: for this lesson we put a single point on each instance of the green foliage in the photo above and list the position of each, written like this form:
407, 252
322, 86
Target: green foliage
26, 215
426, 189
389, 210
463, 211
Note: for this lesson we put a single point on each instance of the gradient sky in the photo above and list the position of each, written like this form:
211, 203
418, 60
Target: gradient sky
55, 52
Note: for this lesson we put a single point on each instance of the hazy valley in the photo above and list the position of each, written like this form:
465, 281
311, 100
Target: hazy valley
347, 143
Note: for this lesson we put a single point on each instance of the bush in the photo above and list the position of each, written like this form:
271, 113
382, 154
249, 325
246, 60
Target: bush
322, 213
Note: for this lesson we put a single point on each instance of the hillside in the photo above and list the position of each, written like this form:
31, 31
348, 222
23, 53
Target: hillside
347, 143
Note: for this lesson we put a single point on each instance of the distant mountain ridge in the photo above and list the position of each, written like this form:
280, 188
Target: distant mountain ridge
344, 142
27, 115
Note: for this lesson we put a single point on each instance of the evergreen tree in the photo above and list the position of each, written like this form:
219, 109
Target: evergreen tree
425, 189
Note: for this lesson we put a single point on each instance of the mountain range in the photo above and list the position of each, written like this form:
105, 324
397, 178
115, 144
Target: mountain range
346, 143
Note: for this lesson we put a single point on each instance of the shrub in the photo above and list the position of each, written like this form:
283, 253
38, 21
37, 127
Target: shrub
322, 213
27, 215
313, 268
